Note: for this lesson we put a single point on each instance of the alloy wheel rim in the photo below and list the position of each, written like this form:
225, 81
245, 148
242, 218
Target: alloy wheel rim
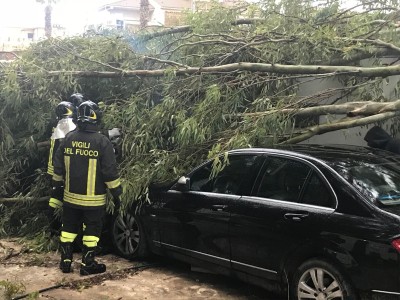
319, 284
126, 234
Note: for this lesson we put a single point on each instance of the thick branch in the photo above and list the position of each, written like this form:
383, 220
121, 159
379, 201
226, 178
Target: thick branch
350, 109
342, 124
205, 42
243, 66
45, 144
187, 28
20, 199
371, 108
377, 42
379, 52
168, 62
180, 29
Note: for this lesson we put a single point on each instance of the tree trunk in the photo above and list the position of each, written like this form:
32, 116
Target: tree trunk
144, 13
382, 71
47, 21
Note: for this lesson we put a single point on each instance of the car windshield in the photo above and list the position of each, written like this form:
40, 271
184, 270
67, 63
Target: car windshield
378, 180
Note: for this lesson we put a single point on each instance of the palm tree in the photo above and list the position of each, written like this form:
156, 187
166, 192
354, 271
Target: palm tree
144, 13
47, 16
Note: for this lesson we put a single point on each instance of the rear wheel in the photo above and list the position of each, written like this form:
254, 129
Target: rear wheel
320, 280
128, 236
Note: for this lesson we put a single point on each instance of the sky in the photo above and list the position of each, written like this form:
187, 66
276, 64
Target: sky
72, 14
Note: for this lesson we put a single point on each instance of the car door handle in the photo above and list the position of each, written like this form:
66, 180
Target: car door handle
295, 217
219, 207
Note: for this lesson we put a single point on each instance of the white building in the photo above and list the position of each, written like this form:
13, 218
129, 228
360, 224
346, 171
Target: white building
18, 38
125, 14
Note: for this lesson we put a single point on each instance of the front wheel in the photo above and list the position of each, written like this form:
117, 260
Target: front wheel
128, 236
320, 280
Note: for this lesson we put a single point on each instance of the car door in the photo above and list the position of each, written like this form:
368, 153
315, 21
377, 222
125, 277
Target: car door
196, 223
271, 223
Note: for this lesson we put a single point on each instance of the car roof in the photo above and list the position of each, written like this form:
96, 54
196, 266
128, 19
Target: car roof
325, 153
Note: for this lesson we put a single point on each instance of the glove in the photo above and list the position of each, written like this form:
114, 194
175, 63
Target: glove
116, 192
55, 203
54, 223
50, 213
117, 206
114, 133
57, 190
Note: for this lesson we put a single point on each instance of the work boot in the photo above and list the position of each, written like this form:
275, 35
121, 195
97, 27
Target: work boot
66, 257
89, 265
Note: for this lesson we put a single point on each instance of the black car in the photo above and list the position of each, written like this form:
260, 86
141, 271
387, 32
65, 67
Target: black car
315, 222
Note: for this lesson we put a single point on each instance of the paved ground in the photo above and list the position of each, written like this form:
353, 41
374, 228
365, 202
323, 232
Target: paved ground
24, 273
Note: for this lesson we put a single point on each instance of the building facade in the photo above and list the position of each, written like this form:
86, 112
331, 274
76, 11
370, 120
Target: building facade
125, 14
19, 38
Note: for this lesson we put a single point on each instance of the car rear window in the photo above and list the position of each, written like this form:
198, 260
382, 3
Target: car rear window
378, 180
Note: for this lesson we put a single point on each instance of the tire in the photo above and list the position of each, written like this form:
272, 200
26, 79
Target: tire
320, 280
128, 237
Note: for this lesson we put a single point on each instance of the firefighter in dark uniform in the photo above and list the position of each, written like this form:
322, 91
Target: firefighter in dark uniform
84, 166
66, 112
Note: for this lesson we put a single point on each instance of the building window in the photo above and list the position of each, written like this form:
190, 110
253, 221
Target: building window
120, 24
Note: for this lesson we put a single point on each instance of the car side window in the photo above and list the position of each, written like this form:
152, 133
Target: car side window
226, 181
283, 179
200, 179
317, 193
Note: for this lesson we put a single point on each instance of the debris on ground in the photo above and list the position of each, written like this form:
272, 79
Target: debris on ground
29, 275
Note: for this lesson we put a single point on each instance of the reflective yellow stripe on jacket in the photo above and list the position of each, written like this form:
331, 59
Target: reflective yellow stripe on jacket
113, 184
84, 200
91, 179
90, 199
50, 168
66, 163
57, 177
55, 203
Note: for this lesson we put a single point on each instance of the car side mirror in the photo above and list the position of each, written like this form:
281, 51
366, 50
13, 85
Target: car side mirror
183, 184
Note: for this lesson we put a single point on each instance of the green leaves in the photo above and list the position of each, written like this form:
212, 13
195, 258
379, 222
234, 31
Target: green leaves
173, 122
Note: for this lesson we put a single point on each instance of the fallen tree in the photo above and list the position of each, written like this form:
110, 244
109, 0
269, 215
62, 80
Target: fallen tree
237, 67
232, 77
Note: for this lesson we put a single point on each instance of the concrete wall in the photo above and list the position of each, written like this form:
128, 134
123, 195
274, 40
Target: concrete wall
353, 136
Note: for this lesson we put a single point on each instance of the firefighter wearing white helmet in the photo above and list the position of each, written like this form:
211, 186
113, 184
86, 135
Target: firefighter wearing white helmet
66, 113
66, 116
